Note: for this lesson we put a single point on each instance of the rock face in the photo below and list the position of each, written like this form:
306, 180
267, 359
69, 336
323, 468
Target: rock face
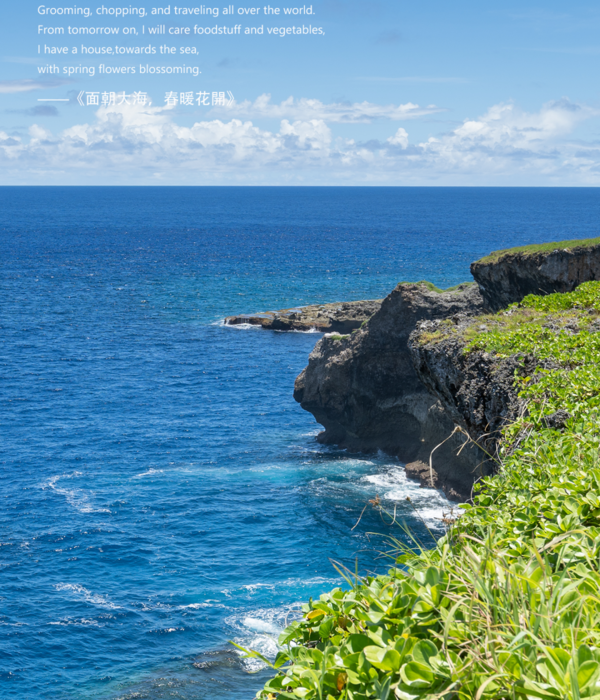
507, 277
343, 317
366, 393
476, 390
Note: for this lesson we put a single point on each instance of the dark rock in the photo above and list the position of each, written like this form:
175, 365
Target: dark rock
365, 392
429, 477
476, 389
340, 317
507, 277
557, 420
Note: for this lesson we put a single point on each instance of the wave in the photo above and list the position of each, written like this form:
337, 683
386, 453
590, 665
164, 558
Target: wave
253, 326
394, 486
240, 326
150, 472
259, 630
80, 621
77, 498
252, 588
82, 593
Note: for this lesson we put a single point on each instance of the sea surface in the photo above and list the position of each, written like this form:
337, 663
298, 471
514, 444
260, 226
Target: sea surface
161, 491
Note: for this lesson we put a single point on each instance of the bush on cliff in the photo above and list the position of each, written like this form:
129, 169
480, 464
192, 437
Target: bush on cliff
507, 605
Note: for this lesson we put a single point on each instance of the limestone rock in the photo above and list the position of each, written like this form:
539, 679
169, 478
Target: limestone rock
340, 317
508, 276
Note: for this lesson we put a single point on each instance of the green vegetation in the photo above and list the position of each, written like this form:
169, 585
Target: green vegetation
432, 288
337, 336
540, 248
507, 604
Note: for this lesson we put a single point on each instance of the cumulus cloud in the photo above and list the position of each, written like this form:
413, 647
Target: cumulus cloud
505, 128
130, 143
400, 138
335, 113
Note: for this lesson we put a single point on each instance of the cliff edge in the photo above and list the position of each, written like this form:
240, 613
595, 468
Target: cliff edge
364, 389
402, 382
507, 276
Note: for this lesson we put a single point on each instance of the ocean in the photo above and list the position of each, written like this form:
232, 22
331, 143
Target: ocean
162, 492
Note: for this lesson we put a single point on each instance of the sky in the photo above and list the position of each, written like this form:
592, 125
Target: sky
378, 92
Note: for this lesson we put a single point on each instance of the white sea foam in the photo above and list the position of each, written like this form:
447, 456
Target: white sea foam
150, 472
77, 498
252, 588
259, 630
81, 593
81, 621
393, 485
198, 606
147, 606
239, 326
256, 326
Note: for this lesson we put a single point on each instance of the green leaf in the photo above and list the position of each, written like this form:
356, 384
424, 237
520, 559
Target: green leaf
423, 651
357, 642
289, 633
416, 675
587, 673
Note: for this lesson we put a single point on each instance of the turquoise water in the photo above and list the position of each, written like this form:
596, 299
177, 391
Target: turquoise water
162, 491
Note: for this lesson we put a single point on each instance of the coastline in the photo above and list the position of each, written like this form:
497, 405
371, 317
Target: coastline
406, 633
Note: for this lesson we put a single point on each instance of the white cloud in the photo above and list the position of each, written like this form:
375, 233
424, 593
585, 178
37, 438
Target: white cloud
400, 138
337, 112
127, 144
506, 127
507, 141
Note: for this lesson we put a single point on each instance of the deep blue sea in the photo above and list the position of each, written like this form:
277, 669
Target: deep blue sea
161, 491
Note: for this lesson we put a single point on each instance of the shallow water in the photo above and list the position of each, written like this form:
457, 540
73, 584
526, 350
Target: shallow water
163, 493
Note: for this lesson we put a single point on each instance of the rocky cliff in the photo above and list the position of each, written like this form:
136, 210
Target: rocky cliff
507, 276
364, 389
381, 388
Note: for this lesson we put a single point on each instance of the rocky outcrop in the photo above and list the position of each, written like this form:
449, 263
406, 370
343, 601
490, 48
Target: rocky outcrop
366, 393
342, 317
508, 276
476, 390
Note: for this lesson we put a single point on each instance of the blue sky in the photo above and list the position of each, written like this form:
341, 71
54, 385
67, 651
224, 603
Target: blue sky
394, 93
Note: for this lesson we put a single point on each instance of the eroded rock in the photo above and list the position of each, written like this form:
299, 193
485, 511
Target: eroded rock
508, 276
366, 393
340, 317
476, 389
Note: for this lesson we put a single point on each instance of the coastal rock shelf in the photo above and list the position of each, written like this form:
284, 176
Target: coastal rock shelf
340, 317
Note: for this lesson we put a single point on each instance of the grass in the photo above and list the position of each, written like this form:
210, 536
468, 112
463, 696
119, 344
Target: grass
540, 248
432, 288
507, 604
